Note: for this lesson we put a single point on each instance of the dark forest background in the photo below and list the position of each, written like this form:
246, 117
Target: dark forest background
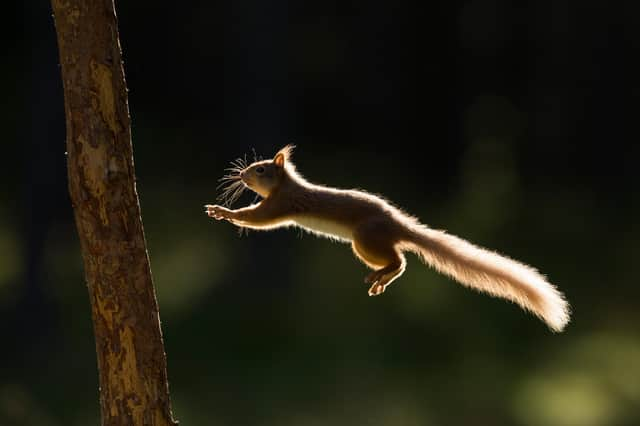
513, 125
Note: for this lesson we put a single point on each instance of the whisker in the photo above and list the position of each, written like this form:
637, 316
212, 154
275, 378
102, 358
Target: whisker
225, 183
230, 187
229, 177
239, 163
226, 179
231, 192
236, 194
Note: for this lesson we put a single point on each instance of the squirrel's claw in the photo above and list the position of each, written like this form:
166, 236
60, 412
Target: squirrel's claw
376, 289
214, 211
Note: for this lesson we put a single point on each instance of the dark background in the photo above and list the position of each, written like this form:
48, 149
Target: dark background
513, 126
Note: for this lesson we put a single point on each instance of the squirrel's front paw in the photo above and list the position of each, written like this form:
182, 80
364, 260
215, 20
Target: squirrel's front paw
217, 212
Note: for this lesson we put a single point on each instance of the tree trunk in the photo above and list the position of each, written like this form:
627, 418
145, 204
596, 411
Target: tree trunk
131, 358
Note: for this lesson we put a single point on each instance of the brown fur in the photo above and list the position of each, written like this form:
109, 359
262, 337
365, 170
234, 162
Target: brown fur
379, 233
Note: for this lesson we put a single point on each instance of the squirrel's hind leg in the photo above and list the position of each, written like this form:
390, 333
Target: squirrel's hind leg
381, 278
376, 248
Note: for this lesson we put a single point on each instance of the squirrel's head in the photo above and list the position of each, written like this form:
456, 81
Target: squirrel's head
264, 176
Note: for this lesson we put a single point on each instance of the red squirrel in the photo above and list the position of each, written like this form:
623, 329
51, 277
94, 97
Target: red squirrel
379, 234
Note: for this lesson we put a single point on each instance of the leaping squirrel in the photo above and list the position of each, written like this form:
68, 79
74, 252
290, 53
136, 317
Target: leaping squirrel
379, 234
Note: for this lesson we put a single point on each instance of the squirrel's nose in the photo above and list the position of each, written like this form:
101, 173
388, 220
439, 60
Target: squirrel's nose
242, 173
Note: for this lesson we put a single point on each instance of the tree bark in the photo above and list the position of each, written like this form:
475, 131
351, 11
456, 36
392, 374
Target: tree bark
131, 359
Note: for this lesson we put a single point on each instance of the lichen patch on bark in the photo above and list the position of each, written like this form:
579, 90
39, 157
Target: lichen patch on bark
102, 79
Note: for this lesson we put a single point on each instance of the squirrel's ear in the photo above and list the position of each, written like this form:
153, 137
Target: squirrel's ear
283, 155
278, 160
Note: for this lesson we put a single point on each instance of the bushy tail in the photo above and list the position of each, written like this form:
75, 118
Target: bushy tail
492, 273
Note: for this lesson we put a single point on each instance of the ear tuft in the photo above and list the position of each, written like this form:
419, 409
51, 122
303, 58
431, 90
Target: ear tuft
283, 155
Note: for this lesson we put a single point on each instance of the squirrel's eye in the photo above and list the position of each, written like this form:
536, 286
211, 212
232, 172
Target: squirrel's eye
259, 170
